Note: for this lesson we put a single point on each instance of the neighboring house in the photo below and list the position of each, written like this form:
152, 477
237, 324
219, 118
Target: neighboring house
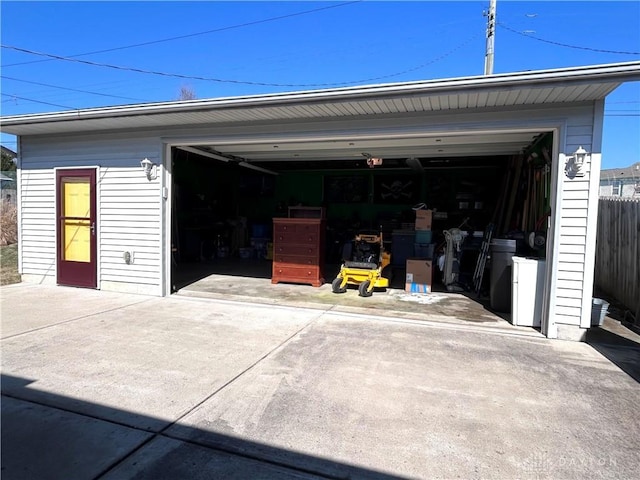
620, 182
102, 192
8, 179
8, 187
7, 151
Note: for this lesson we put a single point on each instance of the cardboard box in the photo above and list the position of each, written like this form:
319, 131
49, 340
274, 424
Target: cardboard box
419, 275
417, 288
423, 219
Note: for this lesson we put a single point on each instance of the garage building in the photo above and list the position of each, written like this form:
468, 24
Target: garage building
133, 198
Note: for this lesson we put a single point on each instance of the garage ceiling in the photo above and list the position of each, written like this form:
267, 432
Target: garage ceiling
340, 149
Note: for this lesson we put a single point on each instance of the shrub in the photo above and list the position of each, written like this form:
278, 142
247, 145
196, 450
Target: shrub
8, 223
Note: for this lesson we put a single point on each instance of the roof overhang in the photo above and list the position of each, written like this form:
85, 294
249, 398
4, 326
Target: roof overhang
558, 86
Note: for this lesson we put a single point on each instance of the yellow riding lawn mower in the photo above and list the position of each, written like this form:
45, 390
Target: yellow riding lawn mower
365, 264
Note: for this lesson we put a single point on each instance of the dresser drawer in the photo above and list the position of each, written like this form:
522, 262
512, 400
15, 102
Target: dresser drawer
295, 228
295, 273
293, 238
310, 250
295, 259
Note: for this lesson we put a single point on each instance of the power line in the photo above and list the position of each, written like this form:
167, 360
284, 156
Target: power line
565, 44
221, 29
71, 89
152, 72
37, 101
220, 80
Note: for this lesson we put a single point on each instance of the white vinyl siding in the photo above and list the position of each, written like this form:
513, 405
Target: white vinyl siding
128, 208
574, 284
38, 224
129, 211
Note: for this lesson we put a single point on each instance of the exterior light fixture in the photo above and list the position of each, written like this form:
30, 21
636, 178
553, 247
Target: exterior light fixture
149, 169
573, 167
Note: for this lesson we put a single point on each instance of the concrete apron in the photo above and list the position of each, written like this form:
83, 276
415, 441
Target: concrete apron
100, 385
454, 309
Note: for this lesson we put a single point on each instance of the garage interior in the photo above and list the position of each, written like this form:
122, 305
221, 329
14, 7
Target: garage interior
225, 197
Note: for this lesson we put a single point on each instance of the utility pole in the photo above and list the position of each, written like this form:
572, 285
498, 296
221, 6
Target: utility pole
491, 36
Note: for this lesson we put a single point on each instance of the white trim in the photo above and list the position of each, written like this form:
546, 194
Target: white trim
395, 133
548, 326
19, 202
166, 222
592, 214
98, 229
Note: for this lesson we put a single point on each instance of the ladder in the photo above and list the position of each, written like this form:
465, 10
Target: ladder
478, 274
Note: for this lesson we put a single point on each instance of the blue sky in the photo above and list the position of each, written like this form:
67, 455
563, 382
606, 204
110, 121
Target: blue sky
241, 48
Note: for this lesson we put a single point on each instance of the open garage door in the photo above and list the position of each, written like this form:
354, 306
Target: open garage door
480, 186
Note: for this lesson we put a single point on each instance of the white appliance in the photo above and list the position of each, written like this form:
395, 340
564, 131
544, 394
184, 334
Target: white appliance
527, 285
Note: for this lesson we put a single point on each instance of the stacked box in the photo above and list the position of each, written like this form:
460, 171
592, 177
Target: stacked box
423, 219
419, 275
423, 247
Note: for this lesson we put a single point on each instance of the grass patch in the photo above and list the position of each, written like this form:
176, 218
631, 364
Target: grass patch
9, 265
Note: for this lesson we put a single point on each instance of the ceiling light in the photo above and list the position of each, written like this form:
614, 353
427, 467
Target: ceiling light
372, 161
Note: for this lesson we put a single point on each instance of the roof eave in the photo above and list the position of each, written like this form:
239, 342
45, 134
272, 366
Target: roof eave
618, 73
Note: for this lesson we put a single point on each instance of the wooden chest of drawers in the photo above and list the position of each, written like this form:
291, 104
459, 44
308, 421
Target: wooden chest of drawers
298, 250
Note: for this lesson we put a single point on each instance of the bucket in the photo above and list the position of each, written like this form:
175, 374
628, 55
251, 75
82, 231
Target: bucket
599, 309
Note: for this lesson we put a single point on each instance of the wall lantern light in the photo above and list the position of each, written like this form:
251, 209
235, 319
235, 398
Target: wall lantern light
574, 165
149, 169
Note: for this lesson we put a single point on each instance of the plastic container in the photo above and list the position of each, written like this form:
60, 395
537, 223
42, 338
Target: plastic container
423, 250
424, 236
599, 310
402, 246
502, 251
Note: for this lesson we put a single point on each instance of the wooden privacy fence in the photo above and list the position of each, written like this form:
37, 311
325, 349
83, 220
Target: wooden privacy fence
617, 269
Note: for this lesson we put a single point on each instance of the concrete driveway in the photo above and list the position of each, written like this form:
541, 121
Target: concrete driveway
112, 386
